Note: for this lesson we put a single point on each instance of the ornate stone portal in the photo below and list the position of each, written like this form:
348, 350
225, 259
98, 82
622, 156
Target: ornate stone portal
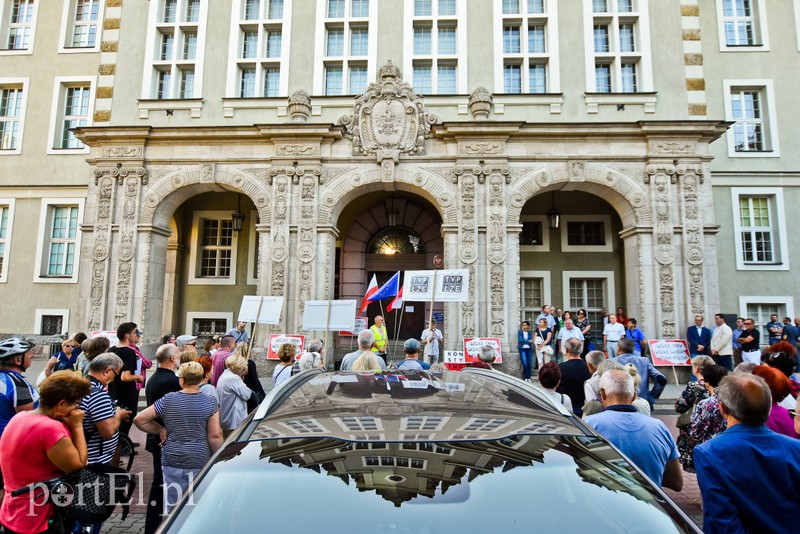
466, 170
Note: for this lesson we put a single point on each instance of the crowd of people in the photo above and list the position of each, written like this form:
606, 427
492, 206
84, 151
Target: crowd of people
89, 396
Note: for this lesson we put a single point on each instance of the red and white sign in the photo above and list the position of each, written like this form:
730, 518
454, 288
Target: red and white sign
472, 348
673, 352
361, 324
276, 340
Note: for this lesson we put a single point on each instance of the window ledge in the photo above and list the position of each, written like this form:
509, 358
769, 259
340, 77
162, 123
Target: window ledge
78, 49
753, 153
554, 100
595, 100
744, 48
231, 104
16, 51
194, 105
14, 152
68, 151
56, 279
198, 281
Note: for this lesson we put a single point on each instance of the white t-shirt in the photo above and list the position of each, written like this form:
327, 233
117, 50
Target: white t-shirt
614, 332
432, 348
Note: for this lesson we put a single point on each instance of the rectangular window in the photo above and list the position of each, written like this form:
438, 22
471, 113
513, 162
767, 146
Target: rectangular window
585, 233
174, 71
216, 248
333, 81
359, 42
422, 41
447, 80
84, 23
531, 234
51, 325
6, 216
530, 296
209, 327
260, 34
12, 99
275, 10
756, 230
17, 27
423, 8
527, 33
510, 7
447, 8
358, 79
335, 9
618, 58
590, 294
62, 239
76, 114
447, 41
360, 8
335, 46
512, 79
422, 80
511, 42
739, 20
746, 110
247, 84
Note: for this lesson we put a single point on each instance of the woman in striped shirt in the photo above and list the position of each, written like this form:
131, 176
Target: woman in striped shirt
191, 431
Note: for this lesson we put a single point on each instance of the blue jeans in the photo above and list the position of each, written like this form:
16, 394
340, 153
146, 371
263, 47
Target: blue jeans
526, 355
724, 361
176, 481
611, 348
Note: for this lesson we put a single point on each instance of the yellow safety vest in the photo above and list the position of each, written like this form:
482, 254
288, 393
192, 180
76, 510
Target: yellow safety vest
380, 338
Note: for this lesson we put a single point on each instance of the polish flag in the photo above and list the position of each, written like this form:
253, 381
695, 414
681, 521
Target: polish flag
373, 288
397, 302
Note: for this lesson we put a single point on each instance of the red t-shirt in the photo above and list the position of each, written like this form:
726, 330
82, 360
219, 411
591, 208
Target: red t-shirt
23, 459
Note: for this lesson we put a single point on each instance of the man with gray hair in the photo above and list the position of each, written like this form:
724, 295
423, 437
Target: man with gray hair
574, 373
645, 440
312, 357
749, 476
591, 387
486, 357
366, 338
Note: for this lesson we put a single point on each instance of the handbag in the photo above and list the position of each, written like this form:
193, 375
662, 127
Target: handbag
96, 491
685, 418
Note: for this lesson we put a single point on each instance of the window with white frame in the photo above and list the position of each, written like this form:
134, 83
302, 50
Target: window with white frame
6, 224
618, 43
175, 47
526, 32
81, 25
346, 46
214, 248
759, 308
759, 228
73, 105
749, 103
12, 113
586, 233
435, 34
534, 292
51, 322
259, 48
742, 24
61, 246
590, 290
17, 24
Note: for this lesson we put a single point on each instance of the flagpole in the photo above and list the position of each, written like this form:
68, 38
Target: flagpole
397, 332
430, 318
391, 356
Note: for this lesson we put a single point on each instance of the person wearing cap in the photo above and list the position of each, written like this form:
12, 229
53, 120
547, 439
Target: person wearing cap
193, 432
188, 347
411, 348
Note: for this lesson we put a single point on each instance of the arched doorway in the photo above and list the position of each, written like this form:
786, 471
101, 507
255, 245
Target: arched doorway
383, 233
579, 264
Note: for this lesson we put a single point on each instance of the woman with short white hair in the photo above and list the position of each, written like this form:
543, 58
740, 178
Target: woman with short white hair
233, 394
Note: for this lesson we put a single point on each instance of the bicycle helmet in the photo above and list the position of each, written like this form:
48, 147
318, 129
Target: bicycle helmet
14, 346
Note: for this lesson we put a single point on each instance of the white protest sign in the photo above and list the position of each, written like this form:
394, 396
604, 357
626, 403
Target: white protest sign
276, 340
448, 285
454, 356
673, 352
473, 345
269, 312
342, 315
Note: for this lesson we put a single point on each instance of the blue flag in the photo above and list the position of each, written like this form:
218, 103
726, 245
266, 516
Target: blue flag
389, 289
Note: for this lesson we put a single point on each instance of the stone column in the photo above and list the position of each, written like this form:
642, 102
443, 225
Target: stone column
96, 249
467, 244
280, 243
512, 364
148, 288
306, 241
661, 176
453, 311
640, 278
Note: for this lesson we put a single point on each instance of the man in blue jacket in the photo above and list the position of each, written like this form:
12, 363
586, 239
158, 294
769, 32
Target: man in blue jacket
749, 476
699, 338
646, 370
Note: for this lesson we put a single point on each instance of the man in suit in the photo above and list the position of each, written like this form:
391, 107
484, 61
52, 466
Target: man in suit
646, 370
721, 343
762, 496
699, 338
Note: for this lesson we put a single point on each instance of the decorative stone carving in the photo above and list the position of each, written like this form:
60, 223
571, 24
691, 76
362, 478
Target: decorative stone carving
481, 148
480, 103
100, 252
697, 289
664, 248
122, 151
299, 106
388, 116
298, 150
674, 147
120, 173
468, 308
127, 249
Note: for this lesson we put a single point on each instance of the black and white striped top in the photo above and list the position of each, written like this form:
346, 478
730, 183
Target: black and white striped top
186, 416
98, 407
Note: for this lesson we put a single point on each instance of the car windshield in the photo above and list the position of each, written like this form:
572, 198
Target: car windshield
518, 483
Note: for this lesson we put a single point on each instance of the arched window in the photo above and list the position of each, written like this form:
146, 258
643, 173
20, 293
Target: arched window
396, 240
